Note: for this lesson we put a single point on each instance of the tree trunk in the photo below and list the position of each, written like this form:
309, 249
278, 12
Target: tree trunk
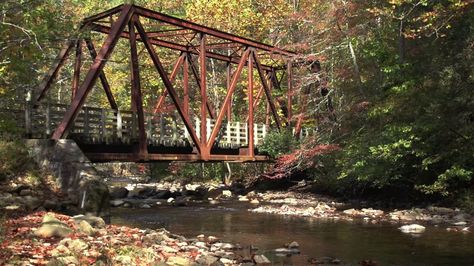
401, 43
356, 68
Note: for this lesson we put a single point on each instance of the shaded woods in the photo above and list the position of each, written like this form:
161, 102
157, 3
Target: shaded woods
393, 105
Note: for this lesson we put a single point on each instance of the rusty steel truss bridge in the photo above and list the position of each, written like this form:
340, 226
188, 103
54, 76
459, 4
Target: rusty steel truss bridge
172, 132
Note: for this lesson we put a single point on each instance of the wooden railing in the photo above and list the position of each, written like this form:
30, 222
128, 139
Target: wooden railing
107, 126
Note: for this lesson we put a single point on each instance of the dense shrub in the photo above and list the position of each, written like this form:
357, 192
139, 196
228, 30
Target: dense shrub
277, 143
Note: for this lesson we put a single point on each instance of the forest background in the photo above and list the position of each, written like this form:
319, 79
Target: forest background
399, 110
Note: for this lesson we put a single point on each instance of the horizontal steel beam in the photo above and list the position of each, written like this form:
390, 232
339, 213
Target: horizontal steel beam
176, 46
130, 157
207, 30
102, 15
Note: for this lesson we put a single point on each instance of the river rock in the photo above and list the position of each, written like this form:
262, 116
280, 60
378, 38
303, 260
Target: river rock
118, 193
206, 260
352, 212
293, 244
116, 202
162, 194
31, 202
243, 198
192, 187
50, 204
154, 238
372, 212
64, 260
146, 192
440, 210
144, 206
168, 249
200, 244
17, 188
462, 217
212, 239
178, 261
25, 192
261, 260
227, 246
226, 193
226, 261
86, 228
412, 229
287, 251
251, 194
255, 201
12, 207
181, 201
94, 221
74, 245
52, 227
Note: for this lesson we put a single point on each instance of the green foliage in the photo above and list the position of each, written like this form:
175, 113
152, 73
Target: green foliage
444, 183
415, 136
197, 171
278, 143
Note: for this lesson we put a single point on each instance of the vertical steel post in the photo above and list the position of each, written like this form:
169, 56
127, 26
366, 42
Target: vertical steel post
77, 69
229, 77
270, 87
202, 61
136, 91
290, 90
250, 132
186, 85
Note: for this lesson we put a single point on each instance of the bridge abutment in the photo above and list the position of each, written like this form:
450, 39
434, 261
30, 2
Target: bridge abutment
76, 176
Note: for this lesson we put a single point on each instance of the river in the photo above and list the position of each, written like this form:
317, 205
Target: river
350, 242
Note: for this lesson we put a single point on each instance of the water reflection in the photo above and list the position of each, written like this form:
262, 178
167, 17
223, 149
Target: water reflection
350, 242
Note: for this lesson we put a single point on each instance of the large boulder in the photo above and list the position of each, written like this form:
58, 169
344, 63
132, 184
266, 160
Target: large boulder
118, 193
85, 228
52, 227
94, 221
162, 194
146, 192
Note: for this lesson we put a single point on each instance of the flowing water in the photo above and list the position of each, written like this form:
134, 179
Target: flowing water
350, 242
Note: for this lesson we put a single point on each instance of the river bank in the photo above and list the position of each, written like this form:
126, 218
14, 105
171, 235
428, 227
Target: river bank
42, 238
88, 240
286, 203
